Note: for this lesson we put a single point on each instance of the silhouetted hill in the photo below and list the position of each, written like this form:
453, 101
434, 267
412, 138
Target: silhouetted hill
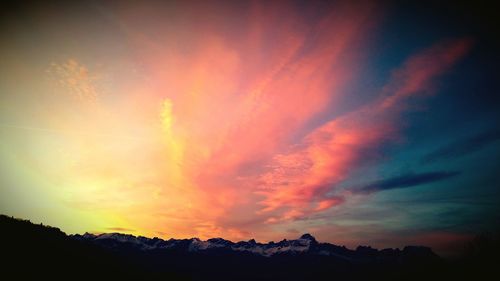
37, 251
31, 251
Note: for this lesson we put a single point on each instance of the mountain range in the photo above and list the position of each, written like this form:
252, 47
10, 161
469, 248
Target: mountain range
304, 245
33, 251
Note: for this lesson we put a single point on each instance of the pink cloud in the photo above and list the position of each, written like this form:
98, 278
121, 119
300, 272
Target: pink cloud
238, 98
301, 178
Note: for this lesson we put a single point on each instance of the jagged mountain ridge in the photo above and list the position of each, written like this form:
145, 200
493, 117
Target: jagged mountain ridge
304, 245
36, 250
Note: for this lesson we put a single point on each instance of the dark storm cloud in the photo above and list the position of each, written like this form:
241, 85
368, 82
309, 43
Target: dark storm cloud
463, 147
408, 180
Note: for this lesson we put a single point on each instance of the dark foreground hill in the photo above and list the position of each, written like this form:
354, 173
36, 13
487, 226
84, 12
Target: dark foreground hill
33, 252
37, 251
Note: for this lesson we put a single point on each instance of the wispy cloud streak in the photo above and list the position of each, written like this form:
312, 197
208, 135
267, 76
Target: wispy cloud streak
405, 181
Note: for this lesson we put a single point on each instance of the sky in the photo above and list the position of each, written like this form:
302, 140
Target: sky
362, 123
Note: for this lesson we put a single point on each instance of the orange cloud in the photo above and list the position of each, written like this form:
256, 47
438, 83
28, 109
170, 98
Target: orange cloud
75, 79
302, 178
231, 99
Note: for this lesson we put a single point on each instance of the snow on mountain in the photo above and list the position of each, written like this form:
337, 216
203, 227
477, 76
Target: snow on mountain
306, 244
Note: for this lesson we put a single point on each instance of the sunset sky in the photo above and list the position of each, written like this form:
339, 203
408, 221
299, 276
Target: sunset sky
366, 123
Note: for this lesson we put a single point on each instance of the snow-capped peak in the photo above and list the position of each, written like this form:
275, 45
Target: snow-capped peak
306, 244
